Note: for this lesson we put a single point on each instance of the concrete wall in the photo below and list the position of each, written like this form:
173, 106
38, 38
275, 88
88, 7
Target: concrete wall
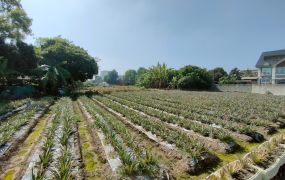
253, 88
235, 88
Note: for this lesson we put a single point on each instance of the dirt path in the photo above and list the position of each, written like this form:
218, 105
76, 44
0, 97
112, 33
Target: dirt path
75, 150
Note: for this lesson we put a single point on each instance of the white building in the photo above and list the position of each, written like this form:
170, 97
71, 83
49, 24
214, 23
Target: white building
271, 67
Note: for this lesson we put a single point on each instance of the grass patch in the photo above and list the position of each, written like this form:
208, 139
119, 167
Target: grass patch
91, 160
85, 145
245, 148
89, 157
246, 145
90, 163
25, 148
33, 136
9, 175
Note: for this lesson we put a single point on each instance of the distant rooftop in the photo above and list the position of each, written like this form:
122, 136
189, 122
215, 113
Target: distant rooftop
264, 55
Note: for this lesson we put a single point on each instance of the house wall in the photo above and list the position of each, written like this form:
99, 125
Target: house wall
275, 89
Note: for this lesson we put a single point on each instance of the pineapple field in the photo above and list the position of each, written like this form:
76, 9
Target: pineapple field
144, 134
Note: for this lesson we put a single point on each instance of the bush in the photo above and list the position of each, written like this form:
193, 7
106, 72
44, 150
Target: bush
231, 79
156, 77
193, 77
193, 82
188, 77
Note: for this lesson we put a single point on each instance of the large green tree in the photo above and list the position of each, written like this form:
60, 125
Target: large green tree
140, 73
74, 59
14, 22
64, 63
235, 72
3, 70
112, 77
130, 77
193, 77
19, 59
21, 56
217, 73
230, 79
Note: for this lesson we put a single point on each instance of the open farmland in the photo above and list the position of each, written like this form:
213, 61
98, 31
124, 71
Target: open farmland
142, 133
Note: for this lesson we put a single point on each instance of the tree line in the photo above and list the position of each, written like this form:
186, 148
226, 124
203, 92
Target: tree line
162, 77
51, 65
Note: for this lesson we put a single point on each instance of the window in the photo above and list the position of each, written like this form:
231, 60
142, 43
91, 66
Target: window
280, 70
266, 71
265, 80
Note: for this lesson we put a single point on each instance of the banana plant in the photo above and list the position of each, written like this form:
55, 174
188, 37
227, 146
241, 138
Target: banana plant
52, 77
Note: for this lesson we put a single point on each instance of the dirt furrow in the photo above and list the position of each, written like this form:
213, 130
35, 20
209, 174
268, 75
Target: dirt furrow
74, 149
94, 167
14, 167
27, 172
106, 151
19, 136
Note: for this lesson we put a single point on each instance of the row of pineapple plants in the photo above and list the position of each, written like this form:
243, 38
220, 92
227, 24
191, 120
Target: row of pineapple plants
202, 117
199, 156
192, 113
7, 106
241, 127
51, 165
203, 129
136, 159
260, 109
68, 166
9, 126
219, 114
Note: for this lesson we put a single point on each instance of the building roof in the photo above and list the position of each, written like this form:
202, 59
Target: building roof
249, 78
261, 61
249, 73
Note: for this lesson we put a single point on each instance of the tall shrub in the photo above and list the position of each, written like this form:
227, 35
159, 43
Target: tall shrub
193, 77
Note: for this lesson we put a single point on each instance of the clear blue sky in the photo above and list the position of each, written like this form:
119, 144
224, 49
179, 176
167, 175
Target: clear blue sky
132, 33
